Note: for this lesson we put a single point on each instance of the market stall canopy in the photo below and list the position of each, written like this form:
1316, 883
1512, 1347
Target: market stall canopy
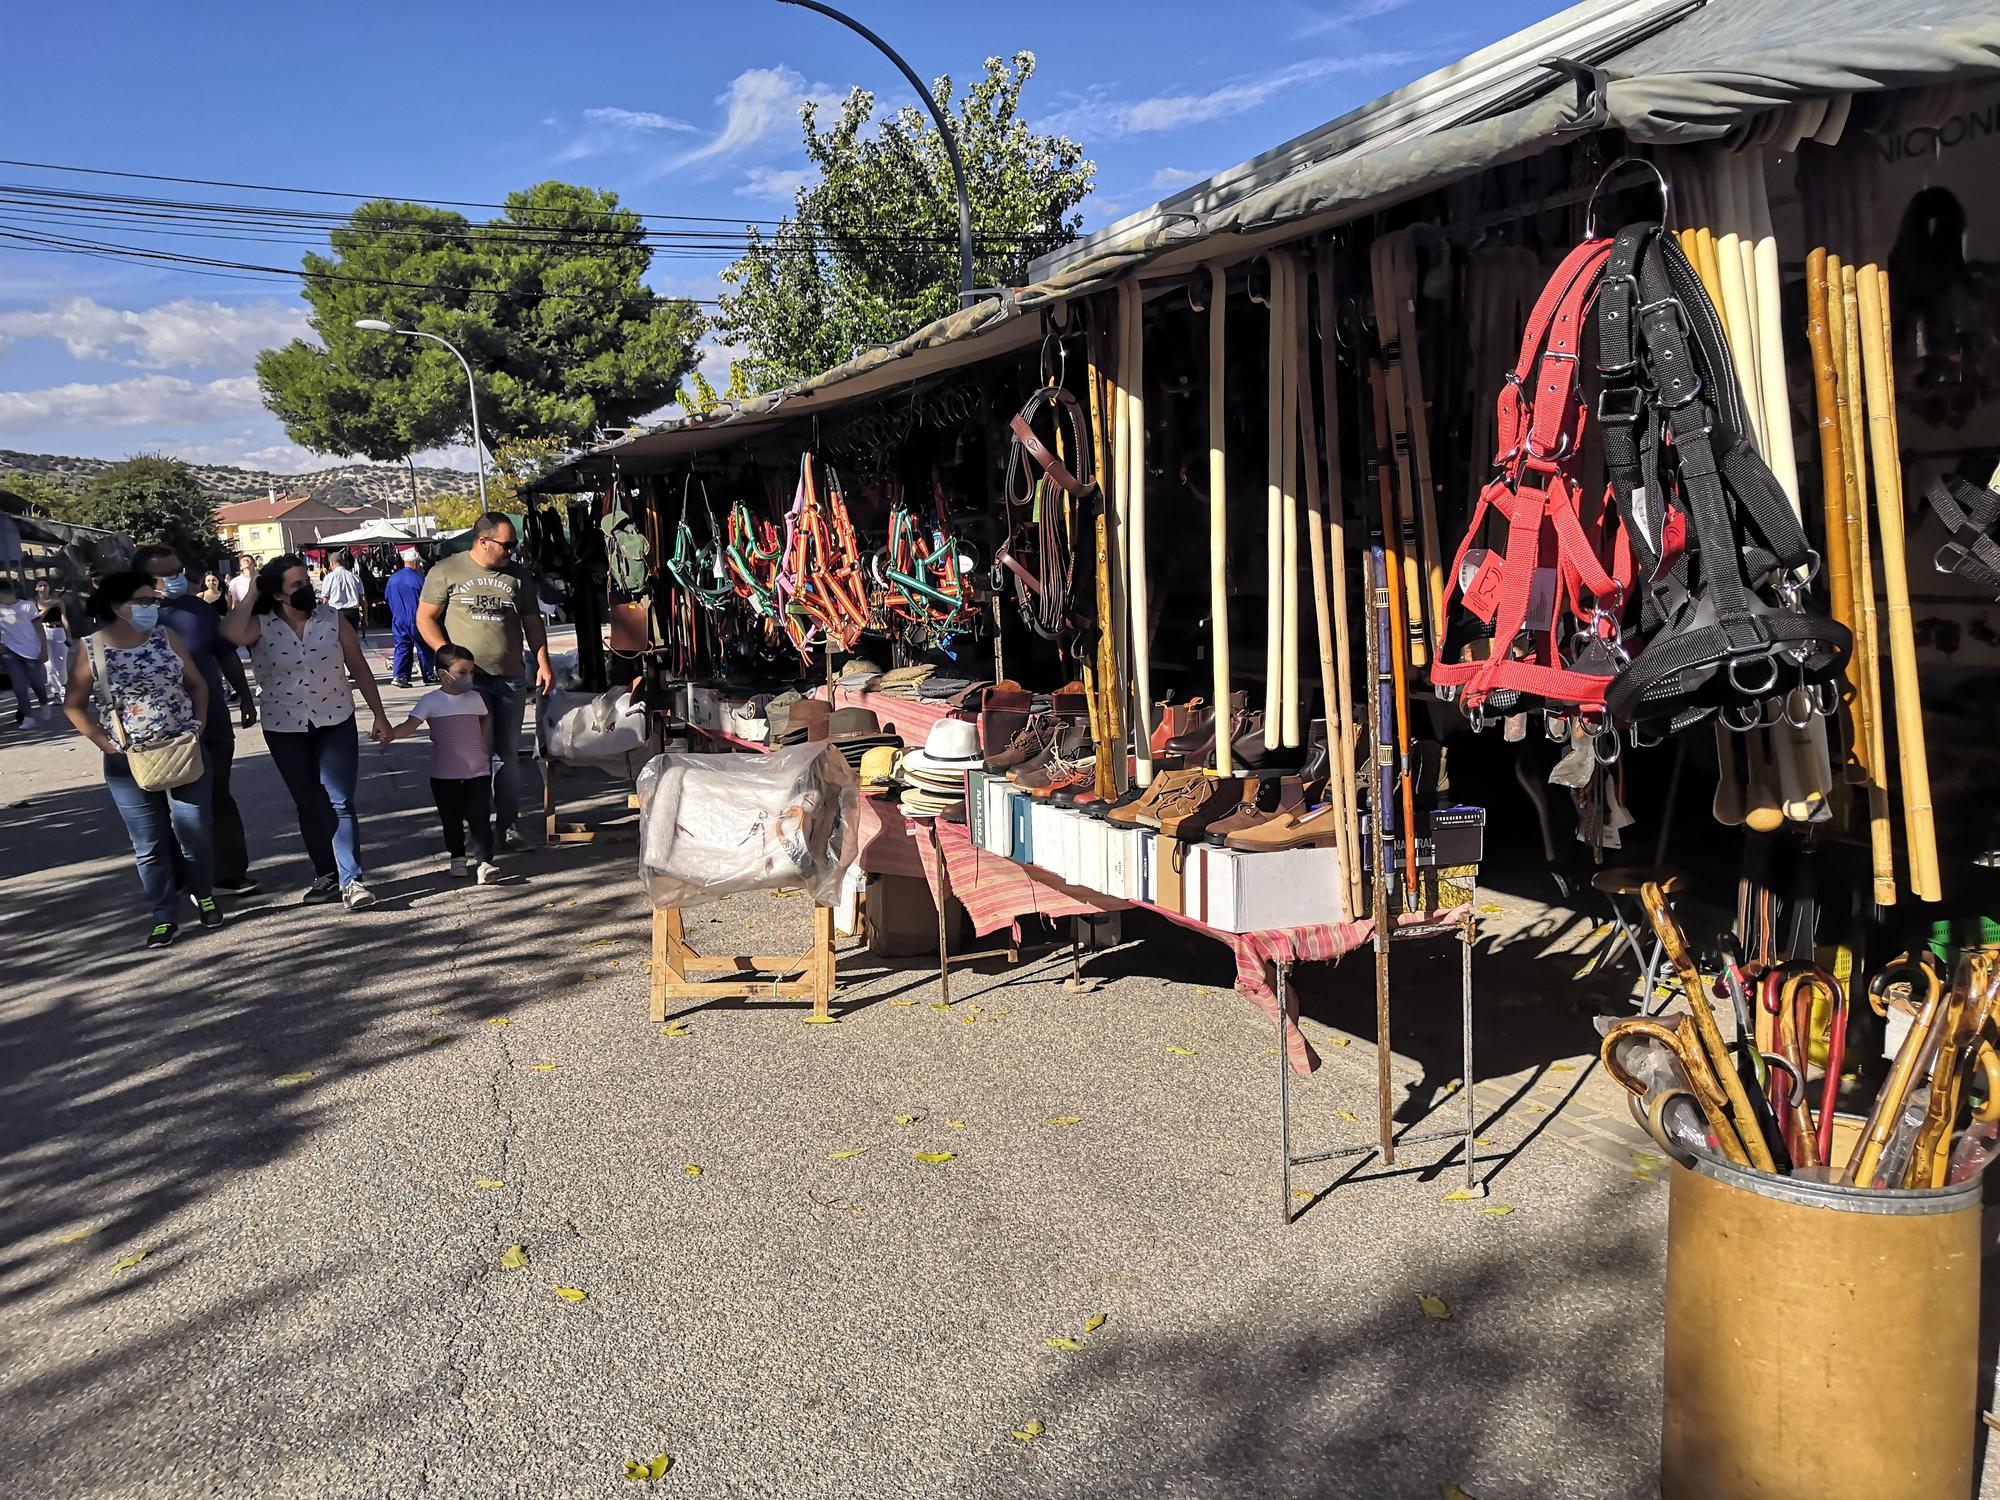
1663, 71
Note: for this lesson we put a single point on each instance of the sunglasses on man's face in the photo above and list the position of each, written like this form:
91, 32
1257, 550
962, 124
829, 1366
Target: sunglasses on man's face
510, 544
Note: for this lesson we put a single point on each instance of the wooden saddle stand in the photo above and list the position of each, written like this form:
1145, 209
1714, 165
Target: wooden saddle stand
676, 968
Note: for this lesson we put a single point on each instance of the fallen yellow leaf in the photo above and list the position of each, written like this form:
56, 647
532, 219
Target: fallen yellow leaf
435, 1037
499, 1020
1029, 1430
844, 1155
954, 1124
1538, 1109
1562, 1067
677, 1029
1480, 1140
1433, 1304
970, 1020
572, 1293
1454, 1086
1346, 1114
541, 1067
940, 1005
1497, 1208
1489, 909
603, 942
934, 1156
1065, 1119
1450, 1491
901, 1004
1095, 1322
692, 1170
588, 975
1459, 1195
1181, 1051
1644, 1177
1301, 1193
1340, 1041
905, 1119
286, 1080
1068, 1345
489, 1182
650, 1469
514, 1257
821, 1020
77, 1235
127, 1262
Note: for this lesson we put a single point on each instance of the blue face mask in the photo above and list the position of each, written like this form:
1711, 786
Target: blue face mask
175, 586
144, 616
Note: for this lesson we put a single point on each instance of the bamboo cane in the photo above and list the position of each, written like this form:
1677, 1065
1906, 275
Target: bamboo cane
1919, 831
1833, 490
1096, 679
1285, 269
1340, 712
1132, 376
1709, 267
1218, 512
1274, 515
1403, 259
1844, 316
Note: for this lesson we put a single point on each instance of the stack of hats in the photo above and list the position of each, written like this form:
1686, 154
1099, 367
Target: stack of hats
856, 731
880, 765
903, 681
936, 773
859, 674
805, 720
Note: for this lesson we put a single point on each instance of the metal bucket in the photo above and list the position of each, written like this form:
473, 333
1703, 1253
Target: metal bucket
1821, 1341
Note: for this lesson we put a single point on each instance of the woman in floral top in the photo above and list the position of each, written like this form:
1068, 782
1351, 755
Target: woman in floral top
155, 693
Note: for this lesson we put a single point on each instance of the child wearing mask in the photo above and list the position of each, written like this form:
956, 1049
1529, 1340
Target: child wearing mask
461, 764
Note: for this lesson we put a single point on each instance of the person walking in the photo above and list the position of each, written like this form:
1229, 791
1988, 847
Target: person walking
24, 652
300, 648
461, 778
484, 600
243, 582
58, 635
341, 589
199, 630
403, 591
150, 693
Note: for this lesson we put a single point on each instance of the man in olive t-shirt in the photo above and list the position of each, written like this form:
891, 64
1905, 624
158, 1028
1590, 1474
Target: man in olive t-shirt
484, 600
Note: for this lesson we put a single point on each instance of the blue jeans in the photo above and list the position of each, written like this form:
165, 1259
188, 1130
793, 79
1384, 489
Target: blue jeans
320, 768
27, 676
157, 822
506, 702
408, 641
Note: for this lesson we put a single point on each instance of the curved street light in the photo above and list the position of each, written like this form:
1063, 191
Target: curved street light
944, 130
376, 325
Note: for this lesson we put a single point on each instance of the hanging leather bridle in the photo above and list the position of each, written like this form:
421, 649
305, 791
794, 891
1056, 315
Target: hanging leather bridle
920, 579
697, 569
1039, 554
752, 558
820, 592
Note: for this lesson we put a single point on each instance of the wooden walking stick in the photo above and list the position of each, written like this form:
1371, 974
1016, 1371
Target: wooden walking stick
1218, 513
1871, 743
1340, 726
1285, 268
1403, 258
1274, 515
1308, 421
1403, 539
1097, 677
1132, 460
1885, 452
1833, 488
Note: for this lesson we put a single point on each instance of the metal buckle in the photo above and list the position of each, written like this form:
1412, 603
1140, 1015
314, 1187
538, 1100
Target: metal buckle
1734, 668
1690, 396
1629, 416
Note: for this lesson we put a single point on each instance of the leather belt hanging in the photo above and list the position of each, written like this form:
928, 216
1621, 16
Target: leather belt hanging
1052, 499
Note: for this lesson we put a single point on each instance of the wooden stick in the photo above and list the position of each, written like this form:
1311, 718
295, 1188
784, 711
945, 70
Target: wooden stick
1728, 809
1340, 726
1399, 638
1285, 268
1097, 675
1885, 452
1218, 511
1407, 289
1308, 421
1403, 539
1833, 488
1132, 459
1844, 314
1274, 518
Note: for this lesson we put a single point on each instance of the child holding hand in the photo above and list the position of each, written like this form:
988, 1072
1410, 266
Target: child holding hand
461, 764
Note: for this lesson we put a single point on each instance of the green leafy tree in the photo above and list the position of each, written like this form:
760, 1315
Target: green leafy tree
43, 495
698, 397
548, 302
152, 498
451, 511
870, 252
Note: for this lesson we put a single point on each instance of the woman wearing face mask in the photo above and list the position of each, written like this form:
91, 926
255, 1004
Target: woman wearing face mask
301, 649
153, 693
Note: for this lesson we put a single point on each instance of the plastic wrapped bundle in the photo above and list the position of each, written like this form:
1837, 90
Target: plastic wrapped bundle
714, 825
607, 730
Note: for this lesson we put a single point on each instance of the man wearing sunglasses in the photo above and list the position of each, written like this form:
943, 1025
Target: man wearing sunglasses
484, 600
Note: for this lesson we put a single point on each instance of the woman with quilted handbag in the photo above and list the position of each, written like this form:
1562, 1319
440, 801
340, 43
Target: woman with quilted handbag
152, 703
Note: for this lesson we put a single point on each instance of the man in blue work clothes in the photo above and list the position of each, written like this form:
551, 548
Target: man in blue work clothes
405, 586
195, 621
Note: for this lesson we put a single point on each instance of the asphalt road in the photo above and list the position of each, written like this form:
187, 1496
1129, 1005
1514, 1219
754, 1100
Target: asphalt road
293, 1118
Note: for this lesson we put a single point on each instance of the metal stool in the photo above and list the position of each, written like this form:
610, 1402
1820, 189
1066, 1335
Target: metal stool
1620, 886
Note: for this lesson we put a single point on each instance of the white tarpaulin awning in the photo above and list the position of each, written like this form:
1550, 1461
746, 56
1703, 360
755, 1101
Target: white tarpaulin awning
373, 531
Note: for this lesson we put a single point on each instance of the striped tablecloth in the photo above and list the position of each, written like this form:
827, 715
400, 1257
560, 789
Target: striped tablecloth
997, 892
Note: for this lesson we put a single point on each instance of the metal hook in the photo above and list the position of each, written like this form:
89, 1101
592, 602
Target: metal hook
1666, 192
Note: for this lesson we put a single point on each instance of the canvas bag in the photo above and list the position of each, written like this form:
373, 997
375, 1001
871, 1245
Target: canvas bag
156, 768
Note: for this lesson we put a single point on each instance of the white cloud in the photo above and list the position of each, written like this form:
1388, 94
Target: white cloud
1101, 117
634, 119
758, 103
1346, 15
608, 128
1173, 177
180, 335
147, 401
774, 182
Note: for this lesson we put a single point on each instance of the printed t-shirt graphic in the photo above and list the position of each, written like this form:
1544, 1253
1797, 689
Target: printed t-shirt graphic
482, 610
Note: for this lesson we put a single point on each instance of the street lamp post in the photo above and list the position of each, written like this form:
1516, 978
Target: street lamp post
376, 325
944, 130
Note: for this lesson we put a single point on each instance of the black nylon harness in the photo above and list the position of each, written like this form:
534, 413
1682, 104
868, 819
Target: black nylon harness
1724, 613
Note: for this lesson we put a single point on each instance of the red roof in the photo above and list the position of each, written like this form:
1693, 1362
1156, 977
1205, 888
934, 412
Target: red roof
250, 512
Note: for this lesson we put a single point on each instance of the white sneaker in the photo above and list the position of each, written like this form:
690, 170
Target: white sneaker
356, 897
488, 872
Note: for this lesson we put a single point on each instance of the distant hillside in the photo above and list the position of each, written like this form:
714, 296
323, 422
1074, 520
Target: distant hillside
347, 485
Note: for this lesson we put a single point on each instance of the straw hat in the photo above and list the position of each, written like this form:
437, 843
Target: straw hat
878, 764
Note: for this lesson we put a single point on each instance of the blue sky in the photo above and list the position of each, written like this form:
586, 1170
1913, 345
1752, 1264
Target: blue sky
687, 109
